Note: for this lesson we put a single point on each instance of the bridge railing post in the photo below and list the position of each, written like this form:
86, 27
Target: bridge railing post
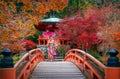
113, 60
113, 69
7, 70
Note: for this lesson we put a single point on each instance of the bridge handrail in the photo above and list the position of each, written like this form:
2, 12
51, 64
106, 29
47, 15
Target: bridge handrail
31, 62
96, 61
25, 56
87, 64
19, 62
86, 55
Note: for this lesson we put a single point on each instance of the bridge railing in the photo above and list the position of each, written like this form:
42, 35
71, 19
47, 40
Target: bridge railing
24, 66
90, 66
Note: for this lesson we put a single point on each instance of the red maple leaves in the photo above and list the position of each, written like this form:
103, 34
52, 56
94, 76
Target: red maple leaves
81, 31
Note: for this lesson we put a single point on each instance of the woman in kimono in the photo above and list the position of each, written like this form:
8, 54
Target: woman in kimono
51, 49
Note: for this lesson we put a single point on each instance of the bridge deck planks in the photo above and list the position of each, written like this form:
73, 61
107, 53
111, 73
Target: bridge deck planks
57, 70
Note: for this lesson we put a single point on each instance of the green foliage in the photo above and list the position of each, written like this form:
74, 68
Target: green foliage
45, 55
35, 36
95, 54
104, 3
16, 57
73, 7
61, 50
0, 56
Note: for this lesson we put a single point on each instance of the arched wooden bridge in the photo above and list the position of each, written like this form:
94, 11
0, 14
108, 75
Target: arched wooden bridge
77, 64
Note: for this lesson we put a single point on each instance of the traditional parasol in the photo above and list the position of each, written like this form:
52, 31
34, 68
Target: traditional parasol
52, 21
49, 34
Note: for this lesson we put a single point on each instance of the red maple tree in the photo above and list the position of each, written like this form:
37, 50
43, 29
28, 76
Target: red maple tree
81, 31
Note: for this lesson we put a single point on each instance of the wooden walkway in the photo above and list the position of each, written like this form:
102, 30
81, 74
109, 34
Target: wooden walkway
57, 70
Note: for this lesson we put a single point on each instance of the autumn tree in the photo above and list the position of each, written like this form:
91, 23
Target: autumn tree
81, 30
110, 32
17, 18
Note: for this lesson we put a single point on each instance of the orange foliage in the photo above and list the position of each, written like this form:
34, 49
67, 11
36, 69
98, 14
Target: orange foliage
16, 26
41, 8
16, 46
111, 37
110, 33
117, 36
117, 41
57, 4
11, 36
3, 12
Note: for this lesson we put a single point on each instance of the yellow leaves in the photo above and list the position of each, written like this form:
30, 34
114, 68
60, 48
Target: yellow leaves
16, 26
4, 35
24, 8
3, 13
38, 9
57, 4
27, 6
20, 23
16, 35
34, 19
41, 8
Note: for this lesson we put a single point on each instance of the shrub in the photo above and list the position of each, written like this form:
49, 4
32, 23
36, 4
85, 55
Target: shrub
61, 50
29, 44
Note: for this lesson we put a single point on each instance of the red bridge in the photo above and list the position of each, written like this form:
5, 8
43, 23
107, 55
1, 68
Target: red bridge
77, 64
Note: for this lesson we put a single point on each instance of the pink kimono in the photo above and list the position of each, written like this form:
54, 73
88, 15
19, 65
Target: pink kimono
51, 50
